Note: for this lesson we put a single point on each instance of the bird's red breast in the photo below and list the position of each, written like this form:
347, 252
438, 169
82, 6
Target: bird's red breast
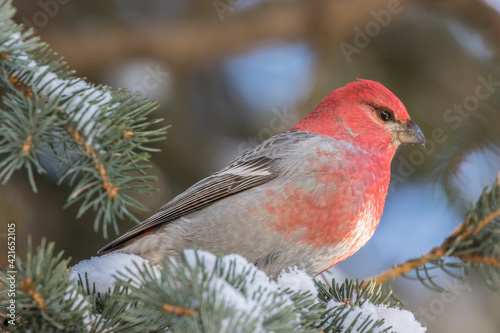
343, 208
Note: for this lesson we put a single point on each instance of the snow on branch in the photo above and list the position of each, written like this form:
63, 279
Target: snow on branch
198, 292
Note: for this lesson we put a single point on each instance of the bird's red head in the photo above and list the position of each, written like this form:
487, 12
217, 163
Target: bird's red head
364, 112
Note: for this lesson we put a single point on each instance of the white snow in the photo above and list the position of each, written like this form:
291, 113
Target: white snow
298, 281
258, 293
89, 318
89, 101
82, 96
402, 321
103, 270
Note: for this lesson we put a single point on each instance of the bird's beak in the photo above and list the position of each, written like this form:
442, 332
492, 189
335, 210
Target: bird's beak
411, 134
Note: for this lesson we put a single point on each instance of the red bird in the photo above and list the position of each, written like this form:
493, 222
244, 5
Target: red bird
308, 197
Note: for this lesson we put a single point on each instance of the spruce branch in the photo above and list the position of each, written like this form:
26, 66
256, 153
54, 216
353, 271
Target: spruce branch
189, 295
101, 136
354, 292
177, 310
347, 297
47, 301
474, 245
204, 294
198, 292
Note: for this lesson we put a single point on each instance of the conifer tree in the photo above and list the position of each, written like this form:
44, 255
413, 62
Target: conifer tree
101, 136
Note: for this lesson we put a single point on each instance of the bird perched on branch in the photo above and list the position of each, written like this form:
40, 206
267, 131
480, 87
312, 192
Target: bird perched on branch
308, 197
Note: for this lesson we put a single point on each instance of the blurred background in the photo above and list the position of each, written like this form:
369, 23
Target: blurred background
229, 74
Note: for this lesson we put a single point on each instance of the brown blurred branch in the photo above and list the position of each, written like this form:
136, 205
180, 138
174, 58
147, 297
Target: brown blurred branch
196, 39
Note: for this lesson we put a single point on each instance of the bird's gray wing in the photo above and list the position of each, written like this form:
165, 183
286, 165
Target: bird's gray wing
239, 177
252, 168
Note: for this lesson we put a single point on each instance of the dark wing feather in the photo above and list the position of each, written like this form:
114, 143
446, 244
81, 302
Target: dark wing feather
242, 174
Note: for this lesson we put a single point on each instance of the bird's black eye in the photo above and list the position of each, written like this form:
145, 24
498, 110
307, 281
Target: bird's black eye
385, 115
